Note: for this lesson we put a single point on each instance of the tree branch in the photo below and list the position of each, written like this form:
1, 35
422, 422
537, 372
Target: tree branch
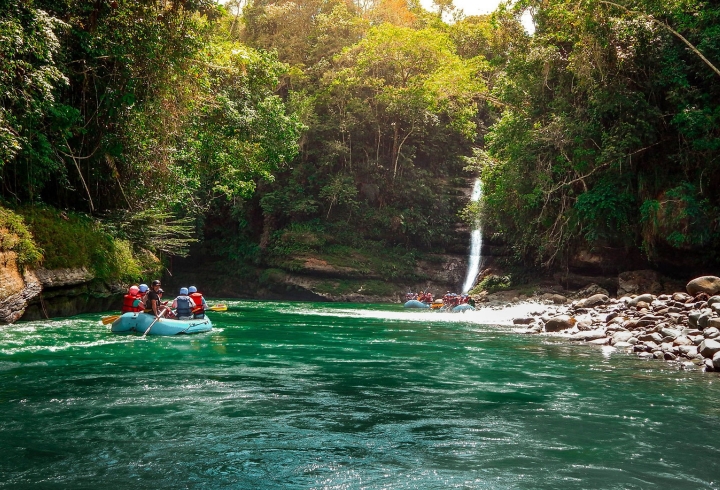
666, 26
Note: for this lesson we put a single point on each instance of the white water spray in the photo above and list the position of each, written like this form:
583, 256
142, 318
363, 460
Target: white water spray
475, 244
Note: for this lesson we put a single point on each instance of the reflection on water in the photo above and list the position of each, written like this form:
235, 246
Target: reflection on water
300, 395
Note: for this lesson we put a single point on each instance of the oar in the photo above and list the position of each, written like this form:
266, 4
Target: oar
218, 307
110, 319
153, 322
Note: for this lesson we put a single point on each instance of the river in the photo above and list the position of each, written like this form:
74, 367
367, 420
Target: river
339, 396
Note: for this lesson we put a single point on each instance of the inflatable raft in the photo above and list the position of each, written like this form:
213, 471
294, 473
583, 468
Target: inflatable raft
463, 307
413, 303
139, 323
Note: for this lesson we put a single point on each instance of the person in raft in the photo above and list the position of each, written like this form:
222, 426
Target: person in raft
142, 297
152, 301
183, 305
129, 300
200, 303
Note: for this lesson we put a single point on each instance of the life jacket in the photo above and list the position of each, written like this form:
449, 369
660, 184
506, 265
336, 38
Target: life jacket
128, 301
197, 297
183, 306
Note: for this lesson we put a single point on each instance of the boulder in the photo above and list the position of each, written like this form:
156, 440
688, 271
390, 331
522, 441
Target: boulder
560, 322
681, 297
705, 284
589, 335
688, 350
558, 299
704, 319
712, 300
716, 360
709, 347
594, 300
621, 337
523, 321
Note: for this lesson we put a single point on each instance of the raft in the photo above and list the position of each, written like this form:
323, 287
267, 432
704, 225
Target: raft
139, 323
413, 303
463, 307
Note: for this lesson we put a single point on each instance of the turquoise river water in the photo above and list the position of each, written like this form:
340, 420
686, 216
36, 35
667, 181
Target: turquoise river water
332, 396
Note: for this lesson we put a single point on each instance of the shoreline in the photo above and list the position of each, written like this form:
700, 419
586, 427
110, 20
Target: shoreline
679, 328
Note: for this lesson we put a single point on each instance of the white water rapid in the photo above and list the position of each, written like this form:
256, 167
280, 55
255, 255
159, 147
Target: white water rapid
475, 244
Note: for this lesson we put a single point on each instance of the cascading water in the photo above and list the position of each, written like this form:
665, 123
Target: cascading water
475, 244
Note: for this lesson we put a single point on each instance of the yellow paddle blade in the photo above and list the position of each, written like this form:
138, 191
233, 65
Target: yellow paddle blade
218, 308
110, 319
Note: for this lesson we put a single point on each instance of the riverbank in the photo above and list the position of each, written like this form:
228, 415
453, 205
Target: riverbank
681, 328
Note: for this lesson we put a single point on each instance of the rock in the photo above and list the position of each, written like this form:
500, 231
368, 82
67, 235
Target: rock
709, 366
712, 300
669, 356
589, 335
602, 341
645, 355
651, 346
709, 285
594, 300
560, 322
621, 337
523, 321
704, 319
682, 340
558, 299
681, 297
644, 298
63, 277
713, 322
709, 347
693, 317
711, 333
716, 360
658, 354
670, 332
622, 345
688, 350
642, 305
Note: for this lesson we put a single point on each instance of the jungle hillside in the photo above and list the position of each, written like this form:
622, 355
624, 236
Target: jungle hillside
250, 137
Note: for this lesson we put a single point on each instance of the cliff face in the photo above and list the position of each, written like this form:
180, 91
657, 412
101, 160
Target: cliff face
44, 293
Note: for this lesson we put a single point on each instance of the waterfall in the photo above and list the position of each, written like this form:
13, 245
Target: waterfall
475, 244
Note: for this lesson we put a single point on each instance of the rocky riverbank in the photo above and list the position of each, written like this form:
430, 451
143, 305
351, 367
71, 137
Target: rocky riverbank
683, 327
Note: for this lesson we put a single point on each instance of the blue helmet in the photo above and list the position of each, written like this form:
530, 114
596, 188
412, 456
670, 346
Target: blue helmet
184, 291
192, 289
143, 288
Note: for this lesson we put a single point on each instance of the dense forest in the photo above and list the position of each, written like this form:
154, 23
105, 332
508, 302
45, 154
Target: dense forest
257, 131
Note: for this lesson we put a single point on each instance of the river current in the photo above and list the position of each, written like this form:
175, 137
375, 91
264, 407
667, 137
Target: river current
332, 396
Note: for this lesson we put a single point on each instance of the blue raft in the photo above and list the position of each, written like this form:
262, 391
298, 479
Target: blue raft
463, 307
139, 322
413, 303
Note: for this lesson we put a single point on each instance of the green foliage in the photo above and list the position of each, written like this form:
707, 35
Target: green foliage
15, 236
71, 240
493, 283
604, 111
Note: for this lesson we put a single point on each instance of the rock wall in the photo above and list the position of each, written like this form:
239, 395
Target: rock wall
44, 293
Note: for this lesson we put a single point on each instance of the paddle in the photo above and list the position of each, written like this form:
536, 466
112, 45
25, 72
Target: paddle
153, 322
110, 319
218, 308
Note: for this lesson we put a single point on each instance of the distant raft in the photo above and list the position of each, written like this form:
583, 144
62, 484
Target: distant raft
139, 323
463, 307
413, 303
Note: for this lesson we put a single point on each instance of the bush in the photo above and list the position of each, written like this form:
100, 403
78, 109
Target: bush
16, 237
73, 240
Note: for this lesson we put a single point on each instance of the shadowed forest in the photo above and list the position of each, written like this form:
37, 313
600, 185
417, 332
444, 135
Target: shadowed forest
254, 132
